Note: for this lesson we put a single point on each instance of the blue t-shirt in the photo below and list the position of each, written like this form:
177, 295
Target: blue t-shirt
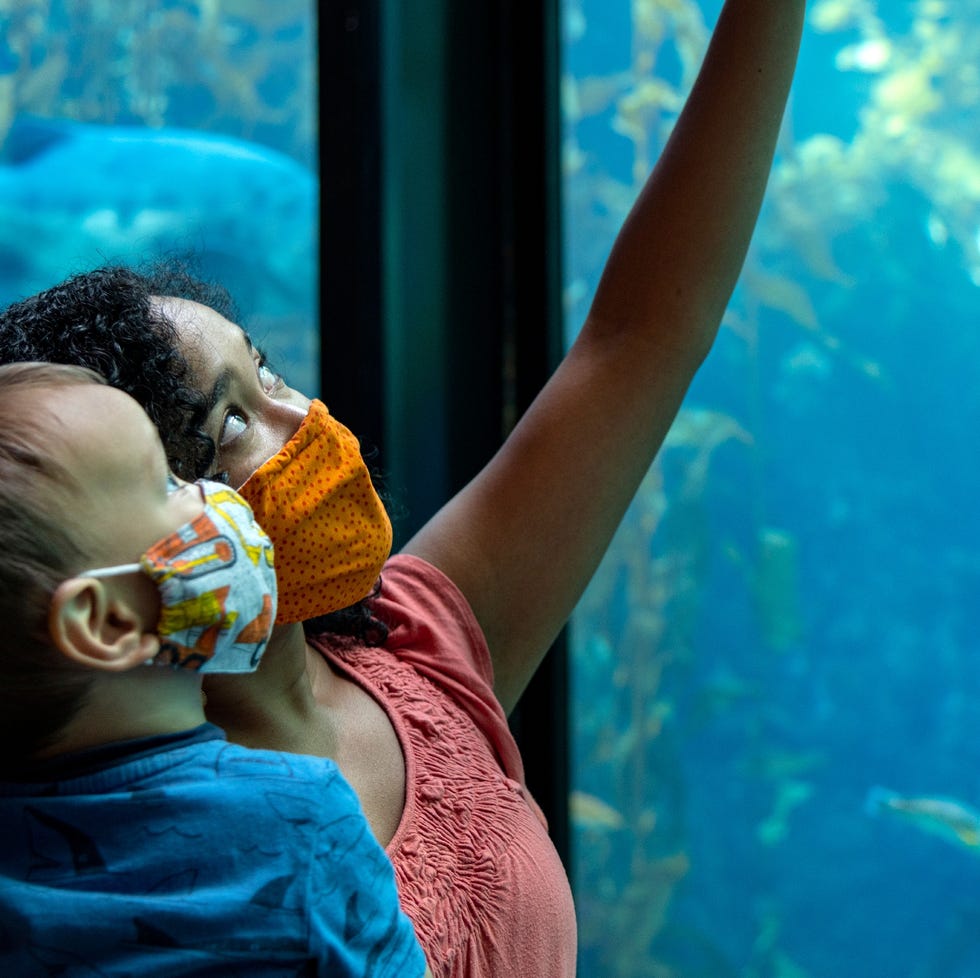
187, 855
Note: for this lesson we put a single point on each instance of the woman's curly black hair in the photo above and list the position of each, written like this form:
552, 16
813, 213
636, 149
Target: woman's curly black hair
106, 320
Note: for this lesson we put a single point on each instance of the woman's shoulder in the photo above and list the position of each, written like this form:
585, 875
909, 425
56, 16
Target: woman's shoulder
430, 621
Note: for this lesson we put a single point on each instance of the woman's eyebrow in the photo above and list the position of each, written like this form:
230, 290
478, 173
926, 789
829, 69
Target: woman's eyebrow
217, 392
254, 348
223, 379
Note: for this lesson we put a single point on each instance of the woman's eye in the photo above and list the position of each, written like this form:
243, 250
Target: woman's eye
268, 378
234, 424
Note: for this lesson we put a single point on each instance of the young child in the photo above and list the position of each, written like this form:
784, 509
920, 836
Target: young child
135, 839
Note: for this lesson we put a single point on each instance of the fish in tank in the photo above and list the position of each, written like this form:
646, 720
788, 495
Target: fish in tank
787, 616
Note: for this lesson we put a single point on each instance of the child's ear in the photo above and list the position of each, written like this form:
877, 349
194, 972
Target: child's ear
96, 626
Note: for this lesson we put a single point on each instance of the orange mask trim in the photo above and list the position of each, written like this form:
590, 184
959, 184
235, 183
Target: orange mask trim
316, 501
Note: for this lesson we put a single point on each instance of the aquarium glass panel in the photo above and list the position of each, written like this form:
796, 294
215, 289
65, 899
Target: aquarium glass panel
776, 691
133, 131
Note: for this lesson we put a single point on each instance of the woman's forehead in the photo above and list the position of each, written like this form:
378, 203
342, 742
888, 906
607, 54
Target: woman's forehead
208, 341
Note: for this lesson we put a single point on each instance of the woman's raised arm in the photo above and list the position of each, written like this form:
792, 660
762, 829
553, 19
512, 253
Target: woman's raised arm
524, 537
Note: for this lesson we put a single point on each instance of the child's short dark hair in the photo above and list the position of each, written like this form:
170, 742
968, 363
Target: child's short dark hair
39, 548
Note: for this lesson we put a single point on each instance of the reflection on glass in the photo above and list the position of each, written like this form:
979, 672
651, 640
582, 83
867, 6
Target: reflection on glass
132, 131
776, 692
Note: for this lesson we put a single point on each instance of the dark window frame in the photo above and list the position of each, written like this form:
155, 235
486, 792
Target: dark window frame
440, 149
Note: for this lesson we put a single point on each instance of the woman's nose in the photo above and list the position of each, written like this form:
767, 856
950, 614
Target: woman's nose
275, 421
284, 415
286, 412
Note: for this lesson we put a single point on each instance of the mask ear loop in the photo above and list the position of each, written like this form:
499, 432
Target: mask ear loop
116, 571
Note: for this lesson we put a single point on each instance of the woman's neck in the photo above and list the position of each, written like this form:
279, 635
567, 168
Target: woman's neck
273, 708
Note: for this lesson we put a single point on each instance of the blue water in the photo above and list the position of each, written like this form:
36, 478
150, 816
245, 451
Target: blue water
183, 132
798, 625
858, 666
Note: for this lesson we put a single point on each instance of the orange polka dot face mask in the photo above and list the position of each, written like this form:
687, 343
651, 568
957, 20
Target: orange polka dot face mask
330, 530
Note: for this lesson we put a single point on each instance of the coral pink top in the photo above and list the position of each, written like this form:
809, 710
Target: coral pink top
477, 873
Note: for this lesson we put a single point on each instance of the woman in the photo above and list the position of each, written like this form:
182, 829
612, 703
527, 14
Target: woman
408, 691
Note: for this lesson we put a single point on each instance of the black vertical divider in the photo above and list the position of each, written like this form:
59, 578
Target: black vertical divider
352, 379
530, 239
498, 238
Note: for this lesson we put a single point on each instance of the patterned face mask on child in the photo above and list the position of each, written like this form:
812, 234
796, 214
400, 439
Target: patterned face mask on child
217, 587
316, 501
